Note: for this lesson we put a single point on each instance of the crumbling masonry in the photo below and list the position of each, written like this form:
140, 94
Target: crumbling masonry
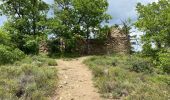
117, 42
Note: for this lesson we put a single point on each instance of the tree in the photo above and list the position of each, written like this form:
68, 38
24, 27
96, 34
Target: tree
4, 37
154, 20
79, 17
127, 26
25, 19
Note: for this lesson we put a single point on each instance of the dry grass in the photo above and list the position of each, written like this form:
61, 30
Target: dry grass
117, 78
29, 79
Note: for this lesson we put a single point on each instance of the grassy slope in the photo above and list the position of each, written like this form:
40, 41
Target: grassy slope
33, 78
115, 79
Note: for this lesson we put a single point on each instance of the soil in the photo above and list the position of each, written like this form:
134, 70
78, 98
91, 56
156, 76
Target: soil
75, 81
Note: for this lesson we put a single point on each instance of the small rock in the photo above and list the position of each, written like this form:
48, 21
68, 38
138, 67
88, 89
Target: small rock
65, 83
80, 80
60, 86
124, 93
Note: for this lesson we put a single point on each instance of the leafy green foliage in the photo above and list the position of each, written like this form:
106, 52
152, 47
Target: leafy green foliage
164, 59
141, 65
10, 55
127, 26
4, 37
53, 46
31, 47
148, 51
25, 18
74, 18
29, 79
154, 21
115, 79
52, 62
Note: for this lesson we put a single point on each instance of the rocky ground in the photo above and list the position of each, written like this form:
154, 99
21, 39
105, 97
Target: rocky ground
75, 81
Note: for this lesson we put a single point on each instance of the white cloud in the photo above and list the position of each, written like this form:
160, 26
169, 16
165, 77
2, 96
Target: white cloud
124, 9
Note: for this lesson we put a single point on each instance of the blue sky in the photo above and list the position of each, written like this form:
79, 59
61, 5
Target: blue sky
123, 9
118, 9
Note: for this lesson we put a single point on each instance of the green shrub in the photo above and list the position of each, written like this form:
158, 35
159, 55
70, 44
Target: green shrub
128, 79
40, 61
27, 81
116, 84
52, 62
31, 47
142, 66
4, 37
164, 59
151, 90
9, 55
53, 46
148, 51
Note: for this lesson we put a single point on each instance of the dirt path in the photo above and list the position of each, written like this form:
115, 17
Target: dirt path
75, 81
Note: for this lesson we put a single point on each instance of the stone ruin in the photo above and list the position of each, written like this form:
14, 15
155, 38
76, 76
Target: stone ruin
116, 42
43, 47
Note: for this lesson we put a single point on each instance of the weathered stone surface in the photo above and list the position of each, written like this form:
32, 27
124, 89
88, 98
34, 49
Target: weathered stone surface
43, 47
117, 42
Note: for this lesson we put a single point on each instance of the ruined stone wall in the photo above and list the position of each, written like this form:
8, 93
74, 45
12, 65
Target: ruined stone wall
118, 45
43, 48
97, 47
116, 42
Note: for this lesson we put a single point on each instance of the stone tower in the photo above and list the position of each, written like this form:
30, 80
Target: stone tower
118, 42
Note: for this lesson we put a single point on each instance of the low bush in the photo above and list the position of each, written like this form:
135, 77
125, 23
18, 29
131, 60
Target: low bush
4, 38
10, 55
141, 65
52, 62
53, 46
26, 80
129, 78
31, 47
164, 59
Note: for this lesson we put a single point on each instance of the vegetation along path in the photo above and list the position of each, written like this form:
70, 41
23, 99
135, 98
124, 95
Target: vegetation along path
75, 81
